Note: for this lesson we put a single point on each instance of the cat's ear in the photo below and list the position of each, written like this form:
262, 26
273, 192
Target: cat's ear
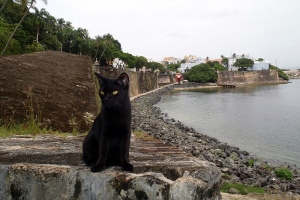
123, 80
100, 78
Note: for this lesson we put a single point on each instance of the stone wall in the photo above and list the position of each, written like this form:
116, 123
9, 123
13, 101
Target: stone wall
52, 88
248, 77
165, 79
147, 81
114, 73
140, 82
57, 89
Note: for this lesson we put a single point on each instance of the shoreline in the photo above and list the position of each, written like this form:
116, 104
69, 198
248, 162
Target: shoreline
233, 162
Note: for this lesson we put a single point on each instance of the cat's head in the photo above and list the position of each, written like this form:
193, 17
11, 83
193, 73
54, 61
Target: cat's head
113, 92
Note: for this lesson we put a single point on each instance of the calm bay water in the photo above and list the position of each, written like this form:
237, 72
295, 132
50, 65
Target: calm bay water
261, 119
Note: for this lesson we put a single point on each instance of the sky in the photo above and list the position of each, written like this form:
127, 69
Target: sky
155, 29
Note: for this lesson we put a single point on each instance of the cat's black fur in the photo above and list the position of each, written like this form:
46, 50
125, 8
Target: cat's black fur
108, 142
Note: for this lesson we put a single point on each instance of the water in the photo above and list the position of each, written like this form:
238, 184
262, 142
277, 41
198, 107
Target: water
261, 119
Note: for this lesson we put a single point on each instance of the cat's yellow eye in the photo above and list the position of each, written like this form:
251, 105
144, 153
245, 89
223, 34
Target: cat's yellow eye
115, 92
101, 92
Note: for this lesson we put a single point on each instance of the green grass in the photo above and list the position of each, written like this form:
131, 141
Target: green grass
33, 116
24, 129
243, 189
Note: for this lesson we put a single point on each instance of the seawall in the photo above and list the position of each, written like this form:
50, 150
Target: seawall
247, 77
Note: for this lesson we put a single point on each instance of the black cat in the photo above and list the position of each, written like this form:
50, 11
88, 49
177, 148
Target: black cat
108, 142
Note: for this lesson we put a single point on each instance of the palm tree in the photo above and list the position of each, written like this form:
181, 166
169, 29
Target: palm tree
41, 17
27, 4
233, 55
207, 58
97, 43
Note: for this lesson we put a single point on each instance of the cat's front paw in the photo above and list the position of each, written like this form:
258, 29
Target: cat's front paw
97, 168
127, 167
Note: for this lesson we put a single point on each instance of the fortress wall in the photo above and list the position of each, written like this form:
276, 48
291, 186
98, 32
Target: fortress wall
240, 77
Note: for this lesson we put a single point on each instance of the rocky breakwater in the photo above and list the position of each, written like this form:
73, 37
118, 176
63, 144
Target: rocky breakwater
237, 166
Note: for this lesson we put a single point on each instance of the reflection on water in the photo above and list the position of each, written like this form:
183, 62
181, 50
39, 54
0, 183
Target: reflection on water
262, 119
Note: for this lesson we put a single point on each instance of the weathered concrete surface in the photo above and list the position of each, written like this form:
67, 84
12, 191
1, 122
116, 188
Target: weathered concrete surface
50, 167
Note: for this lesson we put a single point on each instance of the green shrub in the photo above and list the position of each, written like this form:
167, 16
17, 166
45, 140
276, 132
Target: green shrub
283, 173
243, 189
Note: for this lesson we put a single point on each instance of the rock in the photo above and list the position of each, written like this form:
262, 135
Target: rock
224, 170
202, 146
233, 191
185, 188
234, 156
216, 151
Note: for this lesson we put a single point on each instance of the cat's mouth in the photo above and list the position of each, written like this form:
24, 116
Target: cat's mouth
108, 104
111, 105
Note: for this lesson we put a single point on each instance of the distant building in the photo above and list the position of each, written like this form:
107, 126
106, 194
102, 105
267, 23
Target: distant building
184, 67
260, 65
170, 60
219, 60
119, 64
294, 73
190, 61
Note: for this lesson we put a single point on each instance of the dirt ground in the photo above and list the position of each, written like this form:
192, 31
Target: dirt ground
56, 88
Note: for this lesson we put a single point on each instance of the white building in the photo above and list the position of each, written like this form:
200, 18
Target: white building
118, 63
188, 65
261, 65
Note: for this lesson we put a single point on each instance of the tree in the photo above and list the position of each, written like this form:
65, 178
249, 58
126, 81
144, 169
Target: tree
14, 46
173, 67
243, 63
260, 59
127, 58
40, 19
219, 67
202, 73
156, 66
6, 3
225, 61
24, 4
140, 62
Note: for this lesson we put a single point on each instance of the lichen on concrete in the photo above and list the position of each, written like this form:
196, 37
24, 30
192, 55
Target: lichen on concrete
161, 172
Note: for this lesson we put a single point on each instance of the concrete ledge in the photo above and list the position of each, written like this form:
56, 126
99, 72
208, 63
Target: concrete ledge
50, 167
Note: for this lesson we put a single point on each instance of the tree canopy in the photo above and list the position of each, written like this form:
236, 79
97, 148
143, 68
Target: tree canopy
243, 63
202, 73
173, 67
39, 31
225, 61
